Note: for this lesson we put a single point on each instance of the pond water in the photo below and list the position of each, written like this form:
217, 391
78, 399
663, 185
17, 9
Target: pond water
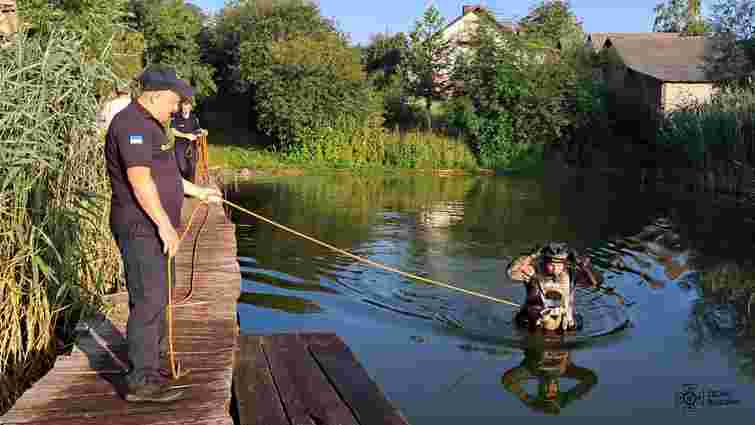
442, 356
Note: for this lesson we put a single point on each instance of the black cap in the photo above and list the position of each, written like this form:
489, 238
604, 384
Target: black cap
153, 79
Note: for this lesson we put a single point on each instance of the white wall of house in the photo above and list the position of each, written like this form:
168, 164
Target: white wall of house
679, 94
462, 31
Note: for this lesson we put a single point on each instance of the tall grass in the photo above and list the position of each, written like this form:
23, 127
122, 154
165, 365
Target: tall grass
56, 254
351, 145
721, 129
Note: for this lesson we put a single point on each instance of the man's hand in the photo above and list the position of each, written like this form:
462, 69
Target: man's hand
528, 270
211, 195
170, 239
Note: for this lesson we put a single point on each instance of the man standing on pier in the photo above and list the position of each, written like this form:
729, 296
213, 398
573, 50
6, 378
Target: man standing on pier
147, 196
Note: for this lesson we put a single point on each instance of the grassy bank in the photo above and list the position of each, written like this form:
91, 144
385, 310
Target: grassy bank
56, 254
365, 150
354, 148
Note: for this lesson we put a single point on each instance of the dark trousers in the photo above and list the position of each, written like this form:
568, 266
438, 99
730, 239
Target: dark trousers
186, 157
146, 280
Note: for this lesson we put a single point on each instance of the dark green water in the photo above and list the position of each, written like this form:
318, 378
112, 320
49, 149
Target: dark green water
440, 355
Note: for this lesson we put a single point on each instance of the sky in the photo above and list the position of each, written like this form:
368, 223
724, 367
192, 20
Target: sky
362, 18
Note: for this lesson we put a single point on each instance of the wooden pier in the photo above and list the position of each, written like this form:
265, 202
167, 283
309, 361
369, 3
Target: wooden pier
287, 379
86, 386
306, 379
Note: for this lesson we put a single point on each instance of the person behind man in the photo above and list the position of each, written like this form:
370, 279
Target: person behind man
548, 366
550, 302
147, 196
186, 129
121, 99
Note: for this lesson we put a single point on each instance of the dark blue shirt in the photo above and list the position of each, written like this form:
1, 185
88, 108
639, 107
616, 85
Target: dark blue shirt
136, 138
188, 125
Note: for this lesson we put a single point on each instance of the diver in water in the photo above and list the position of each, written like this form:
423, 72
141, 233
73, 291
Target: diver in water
550, 275
548, 366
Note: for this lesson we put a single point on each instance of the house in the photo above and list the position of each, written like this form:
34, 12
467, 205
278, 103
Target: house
461, 32
661, 71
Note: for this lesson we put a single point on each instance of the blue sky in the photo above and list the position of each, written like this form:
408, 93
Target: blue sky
361, 18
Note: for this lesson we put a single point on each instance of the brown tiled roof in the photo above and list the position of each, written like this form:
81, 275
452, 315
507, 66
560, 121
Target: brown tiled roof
597, 39
666, 58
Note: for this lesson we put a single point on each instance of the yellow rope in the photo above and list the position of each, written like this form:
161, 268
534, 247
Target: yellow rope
370, 262
175, 367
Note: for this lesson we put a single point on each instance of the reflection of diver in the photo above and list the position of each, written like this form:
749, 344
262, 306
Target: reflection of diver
548, 366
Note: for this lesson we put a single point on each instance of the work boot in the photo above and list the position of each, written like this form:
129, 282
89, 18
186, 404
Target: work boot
154, 391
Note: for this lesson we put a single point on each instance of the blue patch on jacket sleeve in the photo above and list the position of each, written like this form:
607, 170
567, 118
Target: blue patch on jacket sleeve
135, 139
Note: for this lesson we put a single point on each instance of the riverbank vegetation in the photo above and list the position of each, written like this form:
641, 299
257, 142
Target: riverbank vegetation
323, 102
56, 252
708, 144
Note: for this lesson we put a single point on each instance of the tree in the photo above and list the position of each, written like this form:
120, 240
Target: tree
302, 73
553, 23
682, 16
428, 59
518, 91
383, 56
171, 31
254, 21
734, 48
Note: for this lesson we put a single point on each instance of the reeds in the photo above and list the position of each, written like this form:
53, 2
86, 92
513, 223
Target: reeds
354, 147
56, 254
721, 129
350, 145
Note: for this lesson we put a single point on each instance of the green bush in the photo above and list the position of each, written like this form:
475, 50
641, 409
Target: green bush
303, 73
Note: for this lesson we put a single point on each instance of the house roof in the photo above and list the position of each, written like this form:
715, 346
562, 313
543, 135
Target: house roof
666, 58
598, 39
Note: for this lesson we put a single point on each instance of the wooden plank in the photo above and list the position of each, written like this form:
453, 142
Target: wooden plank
361, 393
82, 388
256, 398
308, 397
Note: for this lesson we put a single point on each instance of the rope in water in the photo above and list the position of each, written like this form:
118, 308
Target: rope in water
370, 262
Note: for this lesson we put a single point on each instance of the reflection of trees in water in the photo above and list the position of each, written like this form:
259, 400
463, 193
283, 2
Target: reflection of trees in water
342, 210
675, 242
726, 312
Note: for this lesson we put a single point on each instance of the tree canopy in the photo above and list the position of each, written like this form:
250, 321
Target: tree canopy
553, 23
682, 16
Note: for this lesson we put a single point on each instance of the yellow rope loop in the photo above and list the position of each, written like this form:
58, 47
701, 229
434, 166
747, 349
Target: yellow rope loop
175, 367
370, 262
